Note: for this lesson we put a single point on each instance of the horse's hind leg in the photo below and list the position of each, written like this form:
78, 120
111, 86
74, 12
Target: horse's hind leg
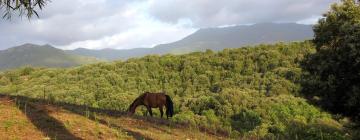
161, 111
149, 110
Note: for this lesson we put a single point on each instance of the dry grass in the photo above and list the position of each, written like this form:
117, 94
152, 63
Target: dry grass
14, 124
29, 119
83, 127
156, 129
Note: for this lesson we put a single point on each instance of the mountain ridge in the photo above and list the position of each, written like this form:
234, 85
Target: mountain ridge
215, 38
40, 56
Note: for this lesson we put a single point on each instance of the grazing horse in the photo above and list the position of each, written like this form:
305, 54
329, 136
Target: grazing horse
153, 100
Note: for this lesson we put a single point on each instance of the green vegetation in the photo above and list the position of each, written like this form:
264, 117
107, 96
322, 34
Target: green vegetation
28, 8
332, 73
248, 92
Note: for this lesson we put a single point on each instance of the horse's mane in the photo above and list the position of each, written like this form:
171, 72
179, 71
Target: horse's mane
137, 99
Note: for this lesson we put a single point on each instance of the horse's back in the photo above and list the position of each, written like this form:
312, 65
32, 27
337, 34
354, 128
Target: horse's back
155, 99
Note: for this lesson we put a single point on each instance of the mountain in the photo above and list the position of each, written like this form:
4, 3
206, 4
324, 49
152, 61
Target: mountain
40, 55
113, 54
239, 36
215, 39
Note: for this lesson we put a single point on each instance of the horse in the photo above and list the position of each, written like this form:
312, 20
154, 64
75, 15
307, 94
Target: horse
153, 100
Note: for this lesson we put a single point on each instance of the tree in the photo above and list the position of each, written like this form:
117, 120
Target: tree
21, 7
333, 72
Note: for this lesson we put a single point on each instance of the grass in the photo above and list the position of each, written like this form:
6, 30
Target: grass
14, 124
33, 119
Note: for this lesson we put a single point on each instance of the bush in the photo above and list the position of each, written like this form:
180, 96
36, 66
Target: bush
187, 117
245, 120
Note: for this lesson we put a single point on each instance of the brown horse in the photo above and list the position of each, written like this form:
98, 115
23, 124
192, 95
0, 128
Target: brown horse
153, 100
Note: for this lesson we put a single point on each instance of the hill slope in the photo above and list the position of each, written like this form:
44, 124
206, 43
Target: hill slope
36, 119
249, 93
36, 55
215, 39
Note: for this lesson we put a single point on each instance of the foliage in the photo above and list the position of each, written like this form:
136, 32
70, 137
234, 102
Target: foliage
246, 92
245, 121
22, 7
332, 73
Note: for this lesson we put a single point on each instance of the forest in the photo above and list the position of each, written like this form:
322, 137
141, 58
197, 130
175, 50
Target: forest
246, 92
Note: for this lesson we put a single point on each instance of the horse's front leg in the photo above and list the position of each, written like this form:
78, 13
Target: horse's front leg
161, 111
149, 110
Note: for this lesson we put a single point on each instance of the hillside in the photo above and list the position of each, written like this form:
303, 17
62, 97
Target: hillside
36, 119
214, 39
113, 54
248, 93
40, 56
239, 36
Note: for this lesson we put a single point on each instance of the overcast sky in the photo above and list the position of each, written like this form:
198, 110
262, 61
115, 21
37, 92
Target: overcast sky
125, 24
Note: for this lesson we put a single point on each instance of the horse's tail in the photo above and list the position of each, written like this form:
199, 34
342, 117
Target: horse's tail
170, 106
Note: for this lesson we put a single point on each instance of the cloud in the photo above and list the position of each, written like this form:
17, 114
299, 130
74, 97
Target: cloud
62, 24
205, 13
125, 24
147, 34
95, 24
144, 31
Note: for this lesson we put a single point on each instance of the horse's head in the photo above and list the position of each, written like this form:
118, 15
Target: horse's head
130, 112
131, 109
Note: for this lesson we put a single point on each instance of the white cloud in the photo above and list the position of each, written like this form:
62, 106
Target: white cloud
93, 24
205, 13
140, 37
125, 24
309, 21
145, 31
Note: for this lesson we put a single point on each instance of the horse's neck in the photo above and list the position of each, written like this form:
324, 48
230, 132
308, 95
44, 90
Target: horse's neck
137, 103
134, 107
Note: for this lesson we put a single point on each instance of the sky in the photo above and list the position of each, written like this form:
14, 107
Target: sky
126, 24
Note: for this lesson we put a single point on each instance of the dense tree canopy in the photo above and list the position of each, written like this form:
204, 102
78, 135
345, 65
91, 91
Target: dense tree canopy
247, 92
21, 7
333, 72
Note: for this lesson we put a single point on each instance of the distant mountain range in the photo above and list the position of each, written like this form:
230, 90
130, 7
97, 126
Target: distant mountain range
209, 38
42, 56
214, 39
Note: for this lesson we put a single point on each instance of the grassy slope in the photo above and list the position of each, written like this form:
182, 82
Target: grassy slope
38, 120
